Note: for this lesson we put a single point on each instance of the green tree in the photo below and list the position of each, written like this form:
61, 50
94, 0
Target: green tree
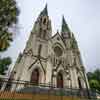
5, 40
94, 79
4, 63
94, 84
97, 74
8, 17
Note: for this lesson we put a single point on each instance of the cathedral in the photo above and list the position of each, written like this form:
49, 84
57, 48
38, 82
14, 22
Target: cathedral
53, 60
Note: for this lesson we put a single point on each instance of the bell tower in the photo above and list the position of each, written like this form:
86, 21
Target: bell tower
75, 65
40, 34
33, 61
66, 33
42, 26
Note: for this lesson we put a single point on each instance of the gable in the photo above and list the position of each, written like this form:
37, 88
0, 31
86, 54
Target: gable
38, 63
57, 40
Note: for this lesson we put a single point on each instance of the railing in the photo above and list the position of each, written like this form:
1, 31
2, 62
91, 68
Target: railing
25, 87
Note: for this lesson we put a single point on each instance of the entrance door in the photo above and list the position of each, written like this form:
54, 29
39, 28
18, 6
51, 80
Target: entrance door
79, 83
35, 76
60, 80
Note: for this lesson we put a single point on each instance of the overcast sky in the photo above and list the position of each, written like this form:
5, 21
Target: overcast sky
82, 16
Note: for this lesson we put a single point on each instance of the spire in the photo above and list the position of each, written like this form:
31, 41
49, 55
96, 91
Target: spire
65, 31
65, 27
74, 42
44, 12
42, 26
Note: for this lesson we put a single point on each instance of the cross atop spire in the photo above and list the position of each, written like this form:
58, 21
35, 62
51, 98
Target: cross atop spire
45, 11
65, 27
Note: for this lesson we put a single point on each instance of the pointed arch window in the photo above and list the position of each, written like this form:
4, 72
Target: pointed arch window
35, 76
44, 21
59, 80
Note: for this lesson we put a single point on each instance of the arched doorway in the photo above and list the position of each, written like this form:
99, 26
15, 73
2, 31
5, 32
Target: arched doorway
59, 80
79, 83
35, 76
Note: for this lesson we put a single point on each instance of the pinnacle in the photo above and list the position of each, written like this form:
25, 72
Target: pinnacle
65, 27
45, 11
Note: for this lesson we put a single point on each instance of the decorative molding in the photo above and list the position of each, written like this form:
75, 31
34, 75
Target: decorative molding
32, 64
38, 59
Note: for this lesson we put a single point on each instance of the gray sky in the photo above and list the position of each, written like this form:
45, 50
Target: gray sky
82, 16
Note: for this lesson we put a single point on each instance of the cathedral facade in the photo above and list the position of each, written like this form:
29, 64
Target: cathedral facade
48, 59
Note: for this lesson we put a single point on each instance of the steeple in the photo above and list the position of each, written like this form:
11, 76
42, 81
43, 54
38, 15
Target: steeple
65, 31
65, 27
42, 26
44, 11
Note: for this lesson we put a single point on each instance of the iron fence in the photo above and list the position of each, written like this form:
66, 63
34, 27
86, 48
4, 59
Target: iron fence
25, 87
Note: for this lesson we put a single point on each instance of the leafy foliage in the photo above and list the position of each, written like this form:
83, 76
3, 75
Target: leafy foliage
5, 39
8, 16
8, 13
94, 79
4, 63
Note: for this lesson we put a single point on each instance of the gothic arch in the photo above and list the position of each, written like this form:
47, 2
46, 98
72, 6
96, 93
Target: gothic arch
60, 82
38, 74
57, 44
79, 83
35, 76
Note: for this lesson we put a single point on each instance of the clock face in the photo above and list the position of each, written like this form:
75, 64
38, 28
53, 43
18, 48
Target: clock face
58, 51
